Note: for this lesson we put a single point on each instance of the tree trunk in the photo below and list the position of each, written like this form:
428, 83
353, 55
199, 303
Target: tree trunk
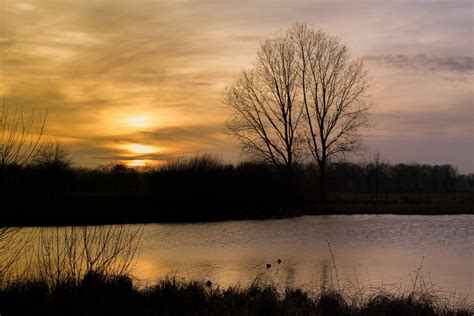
376, 184
322, 182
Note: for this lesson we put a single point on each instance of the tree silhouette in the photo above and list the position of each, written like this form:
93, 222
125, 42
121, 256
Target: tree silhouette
304, 88
266, 109
333, 87
53, 155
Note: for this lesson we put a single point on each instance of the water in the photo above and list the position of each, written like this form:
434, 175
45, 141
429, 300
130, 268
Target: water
368, 250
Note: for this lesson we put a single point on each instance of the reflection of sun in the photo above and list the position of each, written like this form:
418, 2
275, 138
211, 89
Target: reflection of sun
139, 121
140, 149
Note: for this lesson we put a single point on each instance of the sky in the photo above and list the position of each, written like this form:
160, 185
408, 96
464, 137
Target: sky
141, 81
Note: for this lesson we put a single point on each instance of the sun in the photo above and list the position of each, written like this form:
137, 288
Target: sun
138, 163
140, 148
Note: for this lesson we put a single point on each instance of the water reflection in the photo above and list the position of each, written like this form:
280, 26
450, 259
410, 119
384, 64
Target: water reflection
57, 254
369, 251
13, 244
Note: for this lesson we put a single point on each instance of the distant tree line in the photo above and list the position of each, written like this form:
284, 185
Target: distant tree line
400, 178
205, 188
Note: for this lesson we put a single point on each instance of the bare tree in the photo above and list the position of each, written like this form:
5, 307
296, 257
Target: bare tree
20, 135
377, 159
70, 253
304, 88
265, 106
53, 155
333, 87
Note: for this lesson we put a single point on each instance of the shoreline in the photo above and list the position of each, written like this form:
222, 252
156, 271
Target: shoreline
104, 210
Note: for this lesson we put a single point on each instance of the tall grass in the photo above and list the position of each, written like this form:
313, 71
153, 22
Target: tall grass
98, 294
199, 163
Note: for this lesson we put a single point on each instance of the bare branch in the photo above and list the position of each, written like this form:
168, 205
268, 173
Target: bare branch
265, 104
20, 135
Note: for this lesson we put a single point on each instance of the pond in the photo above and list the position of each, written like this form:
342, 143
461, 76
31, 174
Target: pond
351, 251
368, 251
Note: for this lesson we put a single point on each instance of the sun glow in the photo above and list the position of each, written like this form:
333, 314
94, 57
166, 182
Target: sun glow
139, 121
138, 163
140, 149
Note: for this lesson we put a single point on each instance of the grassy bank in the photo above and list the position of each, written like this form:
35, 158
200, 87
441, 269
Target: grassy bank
99, 295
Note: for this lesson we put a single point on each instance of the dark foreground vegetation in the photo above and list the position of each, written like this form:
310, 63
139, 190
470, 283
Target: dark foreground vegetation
205, 189
96, 294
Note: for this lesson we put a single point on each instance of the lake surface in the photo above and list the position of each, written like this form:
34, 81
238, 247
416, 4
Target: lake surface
369, 251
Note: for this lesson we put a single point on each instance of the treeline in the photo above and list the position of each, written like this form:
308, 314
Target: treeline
377, 179
205, 188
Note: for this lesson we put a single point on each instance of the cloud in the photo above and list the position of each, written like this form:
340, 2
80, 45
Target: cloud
170, 141
426, 149
453, 122
200, 83
181, 133
23, 6
94, 63
421, 62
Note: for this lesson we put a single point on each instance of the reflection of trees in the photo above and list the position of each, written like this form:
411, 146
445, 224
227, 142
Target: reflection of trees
13, 244
70, 253
67, 253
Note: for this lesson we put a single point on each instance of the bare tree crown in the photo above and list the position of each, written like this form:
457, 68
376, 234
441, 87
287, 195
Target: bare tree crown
303, 88
333, 86
53, 155
266, 108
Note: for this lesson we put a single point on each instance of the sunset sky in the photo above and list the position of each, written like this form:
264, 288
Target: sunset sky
140, 81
